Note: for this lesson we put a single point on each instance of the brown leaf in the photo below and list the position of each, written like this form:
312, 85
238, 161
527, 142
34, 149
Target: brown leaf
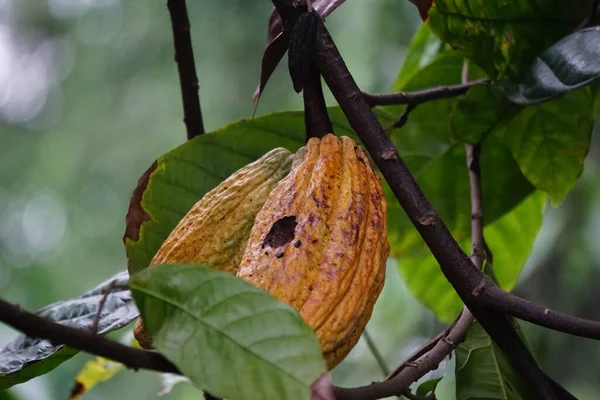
322, 388
136, 215
423, 6
277, 42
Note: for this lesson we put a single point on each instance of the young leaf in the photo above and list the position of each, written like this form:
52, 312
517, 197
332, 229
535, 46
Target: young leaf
229, 337
516, 231
503, 38
484, 372
550, 141
26, 358
569, 64
277, 45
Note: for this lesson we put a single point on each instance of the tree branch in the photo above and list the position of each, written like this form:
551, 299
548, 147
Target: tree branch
186, 66
400, 383
495, 298
455, 264
422, 96
316, 117
36, 326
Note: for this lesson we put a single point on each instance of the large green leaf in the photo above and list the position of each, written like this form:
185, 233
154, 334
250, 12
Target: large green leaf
567, 65
229, 337
510, 239
503, 37
483, 372
25, 358
482, 110
550, 141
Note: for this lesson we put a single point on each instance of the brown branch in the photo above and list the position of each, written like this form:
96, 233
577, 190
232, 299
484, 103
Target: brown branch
413, 370
315, 110
186, 66
404, 117
495, 298
36, 326
455, 264
422, 96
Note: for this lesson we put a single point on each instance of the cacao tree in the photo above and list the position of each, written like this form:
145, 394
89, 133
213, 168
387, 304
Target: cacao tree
257, 251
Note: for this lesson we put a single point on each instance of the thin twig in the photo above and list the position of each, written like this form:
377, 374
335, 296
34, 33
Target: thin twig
315, 110
106, 292
404, 117
421, 96
495, 298
413, 371
186, 66
376, 353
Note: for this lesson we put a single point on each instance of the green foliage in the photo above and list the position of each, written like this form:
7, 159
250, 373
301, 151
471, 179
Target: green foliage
229, 337
550, 141
567, 65
25, 358
504, 37
484, 372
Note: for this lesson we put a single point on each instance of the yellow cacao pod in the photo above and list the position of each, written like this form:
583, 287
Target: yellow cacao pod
319, 243
216, 229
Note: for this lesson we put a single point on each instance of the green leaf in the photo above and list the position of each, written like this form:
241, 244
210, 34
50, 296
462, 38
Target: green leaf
510, 239
569, 64
424, 47
427, 387
596, 102
25, 358
484, 372
479, 112
229, 337
503, 38
550, 141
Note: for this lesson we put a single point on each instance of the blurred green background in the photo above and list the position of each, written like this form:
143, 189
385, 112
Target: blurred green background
89, 97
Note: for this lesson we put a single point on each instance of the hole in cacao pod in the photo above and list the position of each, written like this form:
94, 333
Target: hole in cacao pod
282, 232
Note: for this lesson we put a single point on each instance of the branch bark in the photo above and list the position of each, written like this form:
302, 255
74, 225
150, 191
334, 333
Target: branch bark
186, 66
421, 96
35, 326
316, 117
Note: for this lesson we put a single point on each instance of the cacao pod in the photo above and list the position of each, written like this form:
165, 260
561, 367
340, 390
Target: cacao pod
216, 229
319, 243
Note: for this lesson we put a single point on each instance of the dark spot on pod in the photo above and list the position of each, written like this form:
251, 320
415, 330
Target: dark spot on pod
297, 244
266, 253
279, 255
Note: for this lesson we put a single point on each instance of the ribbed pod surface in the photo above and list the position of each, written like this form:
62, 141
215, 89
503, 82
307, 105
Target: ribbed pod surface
319, 243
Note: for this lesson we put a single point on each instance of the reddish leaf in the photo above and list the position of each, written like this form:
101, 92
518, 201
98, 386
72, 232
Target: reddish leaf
423, 6
322, 388
277, 42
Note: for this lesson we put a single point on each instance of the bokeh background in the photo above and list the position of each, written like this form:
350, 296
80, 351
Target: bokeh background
89, 97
